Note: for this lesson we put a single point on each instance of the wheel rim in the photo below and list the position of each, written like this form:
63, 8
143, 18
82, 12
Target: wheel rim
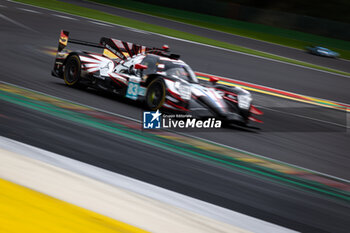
155, 96
72, 72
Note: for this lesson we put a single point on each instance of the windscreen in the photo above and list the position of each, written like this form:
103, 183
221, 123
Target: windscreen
180, 70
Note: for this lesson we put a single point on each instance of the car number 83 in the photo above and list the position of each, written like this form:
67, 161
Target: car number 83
132, 90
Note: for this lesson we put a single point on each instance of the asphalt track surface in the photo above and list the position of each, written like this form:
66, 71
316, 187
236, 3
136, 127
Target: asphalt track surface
305, 142
339, 64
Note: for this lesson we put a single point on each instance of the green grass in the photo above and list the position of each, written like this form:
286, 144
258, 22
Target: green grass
98, 15
281, 36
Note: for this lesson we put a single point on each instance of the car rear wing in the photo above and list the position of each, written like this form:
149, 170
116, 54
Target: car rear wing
63, 41
114, 48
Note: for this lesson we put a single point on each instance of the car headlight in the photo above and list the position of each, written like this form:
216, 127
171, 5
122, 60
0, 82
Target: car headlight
184, 90
244, 101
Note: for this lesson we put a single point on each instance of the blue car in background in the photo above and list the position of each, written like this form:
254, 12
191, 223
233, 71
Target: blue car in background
321, 51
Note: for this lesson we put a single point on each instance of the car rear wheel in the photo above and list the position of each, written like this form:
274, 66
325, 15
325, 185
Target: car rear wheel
72, 71
155, 95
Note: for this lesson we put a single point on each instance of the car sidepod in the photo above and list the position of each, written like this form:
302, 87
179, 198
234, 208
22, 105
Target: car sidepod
178, 95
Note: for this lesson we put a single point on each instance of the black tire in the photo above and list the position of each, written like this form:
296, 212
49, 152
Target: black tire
155, 95
72, 70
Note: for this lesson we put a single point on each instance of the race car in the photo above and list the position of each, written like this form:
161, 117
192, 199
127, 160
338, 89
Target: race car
152, 76
321, 51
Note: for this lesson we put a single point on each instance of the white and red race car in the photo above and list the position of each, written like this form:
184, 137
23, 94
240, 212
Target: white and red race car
152, 76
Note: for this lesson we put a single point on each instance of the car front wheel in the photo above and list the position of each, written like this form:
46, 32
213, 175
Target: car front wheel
155, 95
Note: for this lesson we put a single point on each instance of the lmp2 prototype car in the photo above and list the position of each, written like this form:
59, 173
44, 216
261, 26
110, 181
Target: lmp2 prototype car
154, 77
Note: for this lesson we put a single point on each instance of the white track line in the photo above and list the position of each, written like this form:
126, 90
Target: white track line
189, 135
3, 6
16, 23
100, 24
29, 10
64, 17
137, 30
197, 43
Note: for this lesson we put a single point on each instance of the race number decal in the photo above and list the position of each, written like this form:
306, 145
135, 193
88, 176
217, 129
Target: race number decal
132, 90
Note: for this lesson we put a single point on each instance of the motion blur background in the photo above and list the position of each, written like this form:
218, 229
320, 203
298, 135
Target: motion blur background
327, 18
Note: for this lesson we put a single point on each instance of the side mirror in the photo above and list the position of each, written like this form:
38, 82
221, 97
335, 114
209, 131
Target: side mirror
140, 67
213, 79
165, 47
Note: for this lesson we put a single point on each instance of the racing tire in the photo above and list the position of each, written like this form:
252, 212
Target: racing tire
72, 71
155, 95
